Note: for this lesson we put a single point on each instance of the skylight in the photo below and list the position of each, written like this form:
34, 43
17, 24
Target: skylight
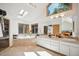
55, 8
22, 13
52, 7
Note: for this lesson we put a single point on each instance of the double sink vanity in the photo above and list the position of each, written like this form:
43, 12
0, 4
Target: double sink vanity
66, 46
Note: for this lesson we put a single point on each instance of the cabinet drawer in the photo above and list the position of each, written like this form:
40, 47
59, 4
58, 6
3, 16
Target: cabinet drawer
47, 40
74, 51
64, 49
47, 46
55, 43
55, 48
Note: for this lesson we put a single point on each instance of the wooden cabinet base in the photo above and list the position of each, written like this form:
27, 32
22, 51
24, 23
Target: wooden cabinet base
4, 43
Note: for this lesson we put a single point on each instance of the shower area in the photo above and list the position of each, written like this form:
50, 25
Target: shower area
4, 30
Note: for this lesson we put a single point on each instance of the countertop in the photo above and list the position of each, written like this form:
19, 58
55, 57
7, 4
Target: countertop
4, 37
69, 41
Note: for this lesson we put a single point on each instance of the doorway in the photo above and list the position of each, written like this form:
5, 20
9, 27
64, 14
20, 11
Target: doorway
45, 30
56, 29
34, 28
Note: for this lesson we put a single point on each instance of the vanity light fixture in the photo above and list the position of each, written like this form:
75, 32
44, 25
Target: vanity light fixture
56, 16
51, 17
62, 15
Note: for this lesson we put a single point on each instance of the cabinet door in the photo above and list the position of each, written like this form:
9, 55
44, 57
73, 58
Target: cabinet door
54, 46
64, 49
47, 45
44, 43
39, 42
74, 51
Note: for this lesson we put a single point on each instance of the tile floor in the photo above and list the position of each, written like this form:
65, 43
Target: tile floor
21, 46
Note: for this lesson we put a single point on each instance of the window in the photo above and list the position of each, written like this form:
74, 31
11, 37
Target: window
20, 28
23, 28
34, 28
54, 8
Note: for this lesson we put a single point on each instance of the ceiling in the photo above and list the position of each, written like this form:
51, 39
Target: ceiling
35, 14
13, 9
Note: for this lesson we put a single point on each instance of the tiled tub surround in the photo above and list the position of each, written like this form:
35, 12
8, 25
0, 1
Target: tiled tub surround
64, 46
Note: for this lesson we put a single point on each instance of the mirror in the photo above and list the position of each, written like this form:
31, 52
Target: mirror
67, 25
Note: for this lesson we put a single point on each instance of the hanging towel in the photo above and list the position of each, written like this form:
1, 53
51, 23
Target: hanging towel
1, 34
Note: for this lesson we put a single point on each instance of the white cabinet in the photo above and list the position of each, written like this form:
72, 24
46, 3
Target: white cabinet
64, 48
54, 45
44, 42
60, 46
54, 48
74, 51
40, 43
47, 45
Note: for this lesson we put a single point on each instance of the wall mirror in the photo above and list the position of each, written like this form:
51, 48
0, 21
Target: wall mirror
67, 25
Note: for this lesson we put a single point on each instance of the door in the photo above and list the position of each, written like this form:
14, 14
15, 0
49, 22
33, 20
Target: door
64, 48
45, 30
56, 29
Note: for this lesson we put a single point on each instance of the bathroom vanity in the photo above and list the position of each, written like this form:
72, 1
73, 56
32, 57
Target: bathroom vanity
66, 46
